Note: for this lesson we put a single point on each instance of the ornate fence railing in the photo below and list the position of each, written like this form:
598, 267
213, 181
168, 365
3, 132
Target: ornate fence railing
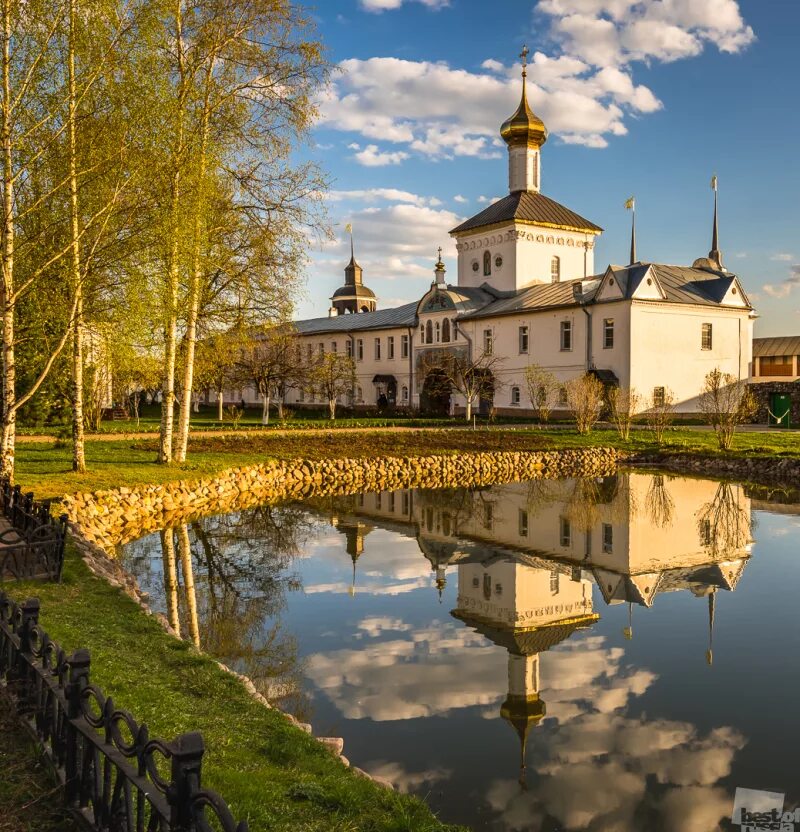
32, 545
115, 777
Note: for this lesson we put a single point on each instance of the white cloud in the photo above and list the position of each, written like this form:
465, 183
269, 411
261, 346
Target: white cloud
390, 5
460, 199
372, 157
782, 258
783, 290
371, 195
584, 91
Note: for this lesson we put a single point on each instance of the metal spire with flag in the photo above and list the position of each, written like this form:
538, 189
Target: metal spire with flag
630, 205
349, 230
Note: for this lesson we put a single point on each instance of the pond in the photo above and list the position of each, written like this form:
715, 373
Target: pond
603, 654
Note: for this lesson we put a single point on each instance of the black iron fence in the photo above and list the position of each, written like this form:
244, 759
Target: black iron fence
31, 539
116, 778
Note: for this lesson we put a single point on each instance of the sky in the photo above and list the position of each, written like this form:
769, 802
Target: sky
644, 98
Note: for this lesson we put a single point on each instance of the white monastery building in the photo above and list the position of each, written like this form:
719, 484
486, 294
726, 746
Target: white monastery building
527, 291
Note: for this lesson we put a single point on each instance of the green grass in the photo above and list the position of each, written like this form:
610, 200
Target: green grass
45, 467
270, 772
28, 801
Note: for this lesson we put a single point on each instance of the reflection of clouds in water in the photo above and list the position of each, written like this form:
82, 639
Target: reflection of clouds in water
430, 672
368, 587
375, 625
405, 781
597, 763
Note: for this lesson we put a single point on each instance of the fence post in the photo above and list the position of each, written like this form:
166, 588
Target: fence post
28, 619
77, 680
187, 756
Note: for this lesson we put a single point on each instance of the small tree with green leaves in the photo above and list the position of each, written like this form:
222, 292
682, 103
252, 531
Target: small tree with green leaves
726, 402
660, 412
623, 402
585, 400
543, 389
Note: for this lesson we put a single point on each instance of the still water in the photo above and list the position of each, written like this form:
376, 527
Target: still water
616, 654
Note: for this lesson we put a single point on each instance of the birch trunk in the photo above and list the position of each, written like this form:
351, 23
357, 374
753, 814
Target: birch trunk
332, 408
194, 287
220, 403
188, 583
78, 456
468, 408
7, 440
170, 580
171, 317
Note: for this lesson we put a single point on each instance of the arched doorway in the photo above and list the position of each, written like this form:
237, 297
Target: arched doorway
435, 397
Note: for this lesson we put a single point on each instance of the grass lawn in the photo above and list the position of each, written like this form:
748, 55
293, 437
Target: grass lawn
272, 774
45, 468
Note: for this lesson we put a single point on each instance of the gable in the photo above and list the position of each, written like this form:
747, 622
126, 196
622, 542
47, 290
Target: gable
647, 287
611, 288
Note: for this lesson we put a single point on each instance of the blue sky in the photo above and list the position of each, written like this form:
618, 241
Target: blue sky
642, 97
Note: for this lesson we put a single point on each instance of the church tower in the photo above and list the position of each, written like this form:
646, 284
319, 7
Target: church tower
354, 296
524, 133
524, 238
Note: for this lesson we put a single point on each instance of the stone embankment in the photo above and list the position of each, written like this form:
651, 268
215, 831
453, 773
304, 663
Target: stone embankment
767, 470
102, 521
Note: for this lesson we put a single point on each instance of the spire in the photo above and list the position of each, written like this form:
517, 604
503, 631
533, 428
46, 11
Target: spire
628, 631
715, 254
631, 206
711, 604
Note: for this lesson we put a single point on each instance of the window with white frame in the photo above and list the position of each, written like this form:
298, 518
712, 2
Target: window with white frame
390, 347
438, 332
523, 339
455, 330
515, 395
608, 537
404, 346
523, 523
321, 349
488, 516
555, 270
422, 333
377, 349
565, 532
360, 349
706, 340
566, 336
608, 333
446, 331
310, 351
348, 347
562, 396
488, 341
487, 263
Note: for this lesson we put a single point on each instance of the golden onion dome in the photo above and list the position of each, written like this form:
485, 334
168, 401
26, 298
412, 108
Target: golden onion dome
524, 127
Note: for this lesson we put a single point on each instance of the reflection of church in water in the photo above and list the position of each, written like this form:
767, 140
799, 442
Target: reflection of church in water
527, 555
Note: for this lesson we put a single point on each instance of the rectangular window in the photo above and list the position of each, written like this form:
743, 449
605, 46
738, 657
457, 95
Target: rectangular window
706, 338
349, 348
390, 347
391, 501
562, 396
565, 532
302, 395
488, 341
488, 516
515, 397
523, 523
310, 351
566, 336
321, 348
554, 576
776, 365
608, 537
334, 346
359, 350
659, 396
377, 349
608, 333
404, 346
378, 501
523, 339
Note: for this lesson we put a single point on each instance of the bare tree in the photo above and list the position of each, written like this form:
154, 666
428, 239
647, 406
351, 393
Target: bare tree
269, 360
543, 390
475, 377
335, 375
217, 365
624, 402
726, 403
660, 413
585, 400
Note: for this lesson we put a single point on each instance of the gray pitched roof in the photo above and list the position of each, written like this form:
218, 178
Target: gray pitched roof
539, 296
532, 207
381, 319
785, 345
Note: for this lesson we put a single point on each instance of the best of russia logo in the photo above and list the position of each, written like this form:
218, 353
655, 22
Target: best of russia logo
758, 811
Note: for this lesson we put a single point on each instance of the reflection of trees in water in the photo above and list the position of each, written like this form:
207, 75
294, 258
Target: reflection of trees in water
724, 524
582, 504
658, 502
234, 575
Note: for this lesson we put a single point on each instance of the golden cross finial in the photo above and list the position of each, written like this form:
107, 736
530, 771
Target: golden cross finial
440, 253
524, 56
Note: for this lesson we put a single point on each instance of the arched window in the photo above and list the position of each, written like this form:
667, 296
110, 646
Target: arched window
438, 332
422, 333
487, 263
429, 332
455, 331
359, 394
405, 394
515, 397
555, 270
446, 330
